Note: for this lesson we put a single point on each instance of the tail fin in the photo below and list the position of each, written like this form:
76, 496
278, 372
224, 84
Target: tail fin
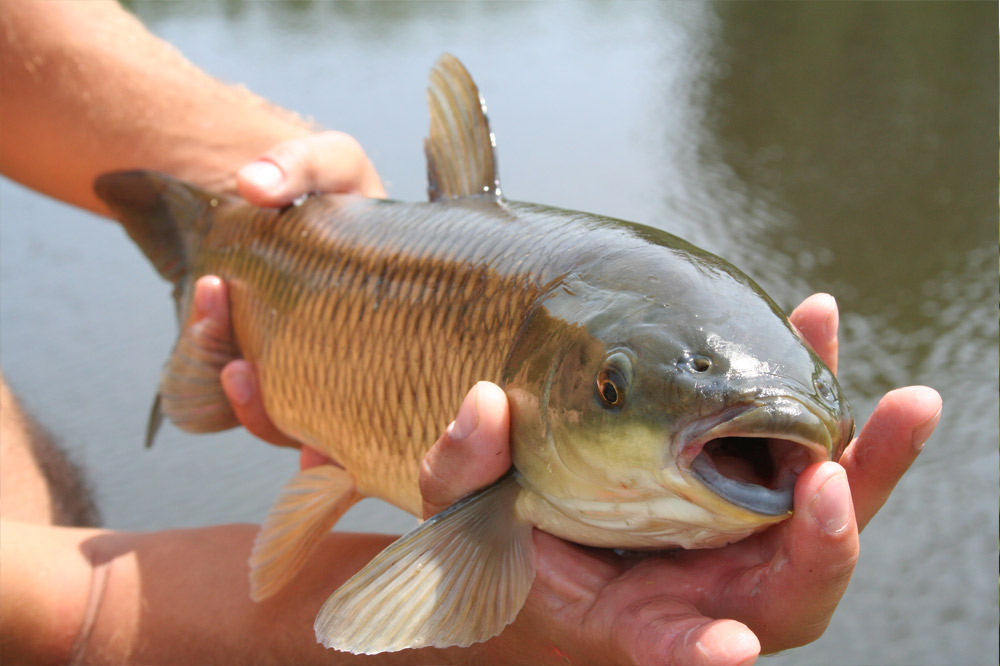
161, 214
167, 219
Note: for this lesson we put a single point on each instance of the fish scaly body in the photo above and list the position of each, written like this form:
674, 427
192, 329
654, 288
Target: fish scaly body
369, 320
658, 397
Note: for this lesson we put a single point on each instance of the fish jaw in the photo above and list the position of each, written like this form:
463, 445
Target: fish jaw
651, 518
725, 477
749, 456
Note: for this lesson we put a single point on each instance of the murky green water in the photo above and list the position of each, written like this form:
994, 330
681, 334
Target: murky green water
849, 148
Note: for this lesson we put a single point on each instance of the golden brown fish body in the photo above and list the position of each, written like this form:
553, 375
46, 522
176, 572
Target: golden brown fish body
657, 396
368, 321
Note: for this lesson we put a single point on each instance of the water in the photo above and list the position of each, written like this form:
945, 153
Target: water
841, 147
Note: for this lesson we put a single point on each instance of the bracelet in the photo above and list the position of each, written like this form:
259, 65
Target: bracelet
98, 583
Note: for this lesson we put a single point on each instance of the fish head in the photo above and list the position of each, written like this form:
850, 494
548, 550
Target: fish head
660, 408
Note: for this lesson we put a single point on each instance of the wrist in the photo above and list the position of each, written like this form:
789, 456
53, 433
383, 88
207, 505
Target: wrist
45, 580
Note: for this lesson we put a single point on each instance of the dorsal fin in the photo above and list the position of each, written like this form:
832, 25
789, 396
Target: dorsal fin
461, 157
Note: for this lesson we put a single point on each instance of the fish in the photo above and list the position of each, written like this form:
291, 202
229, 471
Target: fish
658, 397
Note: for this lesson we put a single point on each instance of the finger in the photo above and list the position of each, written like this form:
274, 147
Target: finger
888, 444
209, 329
796, 592
473, 452
667, 635
712, 642
666, 630
325, 162
239, 382
211, 301
605, 612
310, 457
817, 319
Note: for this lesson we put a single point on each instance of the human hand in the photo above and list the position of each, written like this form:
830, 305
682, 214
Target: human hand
331, 162
772, 591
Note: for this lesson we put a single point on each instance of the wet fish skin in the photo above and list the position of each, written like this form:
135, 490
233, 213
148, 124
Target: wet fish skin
660, 302
628, 357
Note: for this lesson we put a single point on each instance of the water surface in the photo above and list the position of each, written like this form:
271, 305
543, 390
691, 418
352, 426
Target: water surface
848, 148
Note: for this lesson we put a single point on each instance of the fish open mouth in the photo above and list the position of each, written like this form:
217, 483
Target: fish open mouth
748, 460
752, 472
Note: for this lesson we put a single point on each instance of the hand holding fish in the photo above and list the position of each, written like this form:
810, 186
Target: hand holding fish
651, 607
331, 162
775, 590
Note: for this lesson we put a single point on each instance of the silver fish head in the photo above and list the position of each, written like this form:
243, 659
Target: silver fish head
661, 398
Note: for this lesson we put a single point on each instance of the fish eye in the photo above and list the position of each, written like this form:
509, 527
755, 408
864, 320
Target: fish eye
696, 362
613, 379
610, 394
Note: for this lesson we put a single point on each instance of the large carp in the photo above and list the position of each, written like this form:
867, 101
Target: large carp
658, 397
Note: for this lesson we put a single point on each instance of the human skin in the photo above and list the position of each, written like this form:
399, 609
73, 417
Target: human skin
87, 89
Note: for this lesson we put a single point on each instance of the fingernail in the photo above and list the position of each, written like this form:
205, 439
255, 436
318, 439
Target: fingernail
832, 323
468, 416
265, 175
831, 507
723, 640
239, 386
923, 431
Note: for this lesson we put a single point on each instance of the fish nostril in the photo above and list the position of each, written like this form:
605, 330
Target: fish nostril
695, 362
825, 390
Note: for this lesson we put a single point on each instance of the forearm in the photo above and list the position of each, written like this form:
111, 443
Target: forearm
44, 584
186, 595
178, 596
86, 89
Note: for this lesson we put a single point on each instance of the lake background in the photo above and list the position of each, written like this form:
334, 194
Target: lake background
838, 147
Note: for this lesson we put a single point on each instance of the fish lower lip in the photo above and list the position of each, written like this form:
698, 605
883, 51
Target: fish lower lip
752, 496
751, 455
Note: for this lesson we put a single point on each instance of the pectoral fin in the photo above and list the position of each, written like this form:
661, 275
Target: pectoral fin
307, 508
459, 578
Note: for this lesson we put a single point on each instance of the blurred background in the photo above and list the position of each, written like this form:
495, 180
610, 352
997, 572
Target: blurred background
839, 147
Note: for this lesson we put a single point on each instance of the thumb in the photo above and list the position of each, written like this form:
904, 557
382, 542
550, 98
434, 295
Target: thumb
325, 162
803, 583
473, 452
666, 630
